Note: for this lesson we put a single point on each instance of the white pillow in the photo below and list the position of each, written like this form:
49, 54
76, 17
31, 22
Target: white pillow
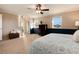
76, 36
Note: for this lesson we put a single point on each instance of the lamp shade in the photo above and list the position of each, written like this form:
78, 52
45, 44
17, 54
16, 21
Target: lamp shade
77, 23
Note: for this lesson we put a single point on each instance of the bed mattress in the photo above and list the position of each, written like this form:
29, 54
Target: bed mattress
55, 44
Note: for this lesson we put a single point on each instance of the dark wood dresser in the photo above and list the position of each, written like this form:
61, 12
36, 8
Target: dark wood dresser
42, 29
13, 35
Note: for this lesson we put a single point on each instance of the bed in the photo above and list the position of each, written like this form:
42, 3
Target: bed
54, 44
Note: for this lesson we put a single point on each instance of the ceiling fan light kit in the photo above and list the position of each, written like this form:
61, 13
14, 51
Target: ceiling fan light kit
39, 10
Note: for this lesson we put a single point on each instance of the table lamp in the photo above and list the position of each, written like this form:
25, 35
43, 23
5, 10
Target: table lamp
77, 24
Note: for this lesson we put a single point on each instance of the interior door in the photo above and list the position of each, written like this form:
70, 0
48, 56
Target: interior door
0, 27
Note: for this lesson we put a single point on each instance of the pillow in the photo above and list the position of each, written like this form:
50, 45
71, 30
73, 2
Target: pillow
76, 36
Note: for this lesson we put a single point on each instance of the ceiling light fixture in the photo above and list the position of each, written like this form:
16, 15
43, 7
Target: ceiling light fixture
38, 11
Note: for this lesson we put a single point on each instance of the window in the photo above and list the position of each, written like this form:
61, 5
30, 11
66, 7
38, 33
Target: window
57, 22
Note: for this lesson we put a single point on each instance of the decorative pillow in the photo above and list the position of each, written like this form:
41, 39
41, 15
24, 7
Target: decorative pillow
76, 36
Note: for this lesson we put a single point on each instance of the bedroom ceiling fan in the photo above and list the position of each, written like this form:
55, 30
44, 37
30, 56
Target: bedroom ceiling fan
39, 10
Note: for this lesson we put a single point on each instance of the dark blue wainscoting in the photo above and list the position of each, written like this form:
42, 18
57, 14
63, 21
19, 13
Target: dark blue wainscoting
63, 31
50, 30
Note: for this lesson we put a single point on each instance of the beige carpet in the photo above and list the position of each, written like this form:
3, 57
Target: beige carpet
18, 45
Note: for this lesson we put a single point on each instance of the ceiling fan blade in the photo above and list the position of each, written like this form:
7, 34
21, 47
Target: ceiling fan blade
30, 8
44, 9
41, 12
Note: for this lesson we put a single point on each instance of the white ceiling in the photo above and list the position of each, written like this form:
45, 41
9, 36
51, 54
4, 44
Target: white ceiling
24, 9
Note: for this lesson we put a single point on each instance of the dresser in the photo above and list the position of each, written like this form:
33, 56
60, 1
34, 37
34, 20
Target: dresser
13, 35
42, 29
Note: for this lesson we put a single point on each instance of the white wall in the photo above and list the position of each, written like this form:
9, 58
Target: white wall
9, 22
68, 18
46, 20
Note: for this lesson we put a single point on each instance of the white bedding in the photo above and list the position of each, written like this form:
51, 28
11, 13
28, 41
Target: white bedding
54, 44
